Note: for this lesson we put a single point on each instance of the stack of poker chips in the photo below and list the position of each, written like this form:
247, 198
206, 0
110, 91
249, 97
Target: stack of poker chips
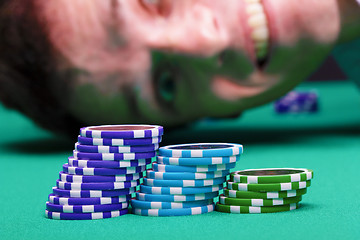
297, 102
265, 190
107, 165
185, 179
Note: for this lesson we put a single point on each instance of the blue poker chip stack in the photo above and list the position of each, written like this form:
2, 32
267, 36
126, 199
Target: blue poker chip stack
185, 179
104, 171
296, 102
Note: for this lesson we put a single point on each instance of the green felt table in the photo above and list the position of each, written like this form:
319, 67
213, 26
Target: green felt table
327, 142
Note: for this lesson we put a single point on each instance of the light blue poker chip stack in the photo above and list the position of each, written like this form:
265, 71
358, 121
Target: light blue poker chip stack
104, 171
185, 179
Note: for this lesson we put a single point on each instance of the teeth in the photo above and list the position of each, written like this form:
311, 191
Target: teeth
261, 49
261, 52
257, 20
260, 34
260, 44
258, 23
254, 8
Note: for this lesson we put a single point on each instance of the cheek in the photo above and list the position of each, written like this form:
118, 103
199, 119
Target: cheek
293, 20
321, 20
91, 40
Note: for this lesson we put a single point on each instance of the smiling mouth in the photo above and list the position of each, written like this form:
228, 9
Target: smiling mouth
259, 29
259, 43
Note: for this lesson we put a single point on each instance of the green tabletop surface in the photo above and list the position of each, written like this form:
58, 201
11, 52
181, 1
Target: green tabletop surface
327, 142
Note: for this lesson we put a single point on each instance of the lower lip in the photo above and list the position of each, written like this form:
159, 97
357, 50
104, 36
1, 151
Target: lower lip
228, 90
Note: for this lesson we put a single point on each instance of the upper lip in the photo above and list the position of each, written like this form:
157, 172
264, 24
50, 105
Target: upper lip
248, 43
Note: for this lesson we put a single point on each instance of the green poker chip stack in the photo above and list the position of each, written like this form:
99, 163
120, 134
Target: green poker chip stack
266, 190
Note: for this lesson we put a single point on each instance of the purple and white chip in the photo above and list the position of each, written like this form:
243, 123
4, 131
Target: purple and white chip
63, 176
88, 201
297, 102
102, 171
96, 186
92, 193
85, 208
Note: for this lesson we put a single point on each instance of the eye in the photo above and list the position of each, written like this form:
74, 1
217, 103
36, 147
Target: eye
157, 7
166, 85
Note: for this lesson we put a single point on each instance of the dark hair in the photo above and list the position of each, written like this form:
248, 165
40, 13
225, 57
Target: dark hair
27, 66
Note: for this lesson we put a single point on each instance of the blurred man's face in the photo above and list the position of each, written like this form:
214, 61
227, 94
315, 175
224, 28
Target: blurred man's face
169, 62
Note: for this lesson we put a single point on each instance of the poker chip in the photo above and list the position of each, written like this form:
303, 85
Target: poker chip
122, 131
185, 176
175, 197
258, 202
179, 190
264, 190
85, 208
96, 186
106, 167
118, 142
88, 201
108, 164
168, 205
113, 156
102, 171
183, 183
264, 195
88, 179
174, 212
92, 193
272, 175
115, 149
270, 187
197, 161
195, 150
84, 216
251, 209
202, 168
296, 102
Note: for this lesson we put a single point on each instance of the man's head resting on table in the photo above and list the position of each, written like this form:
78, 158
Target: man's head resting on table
67, 64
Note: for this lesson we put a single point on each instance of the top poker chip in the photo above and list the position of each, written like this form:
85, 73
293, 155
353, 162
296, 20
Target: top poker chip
272, 175
297, 102
201, 150
122, 131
